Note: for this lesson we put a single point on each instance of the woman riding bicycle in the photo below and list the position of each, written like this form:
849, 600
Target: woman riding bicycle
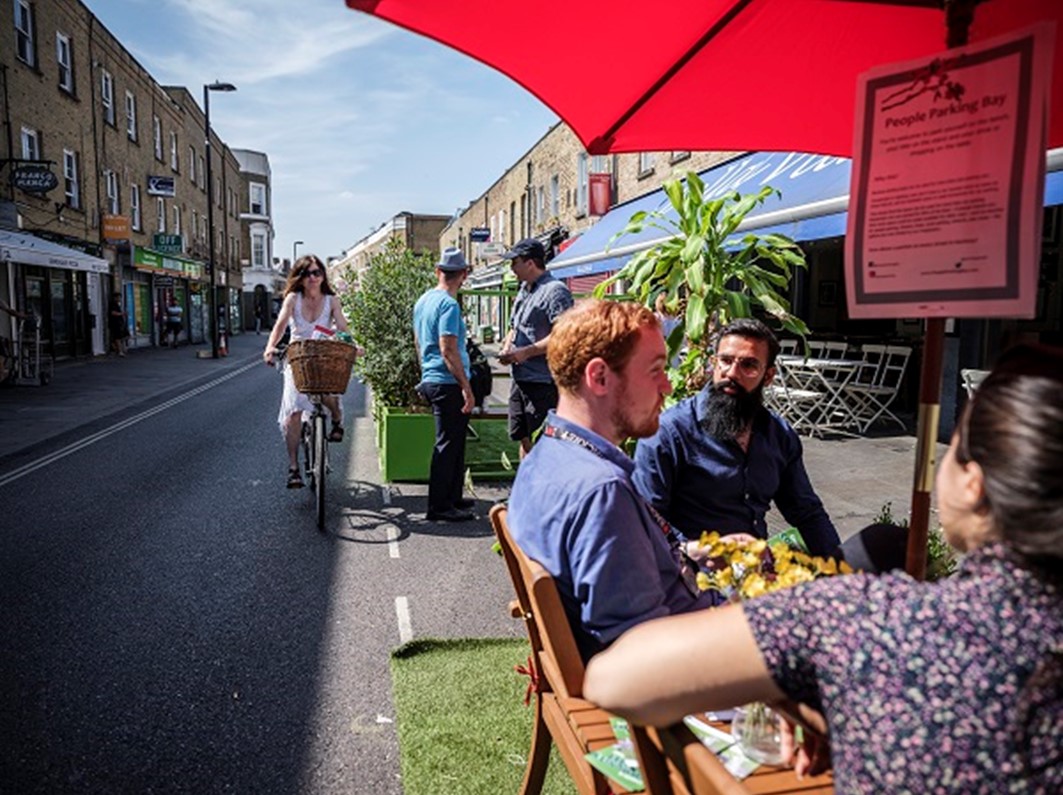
309, 303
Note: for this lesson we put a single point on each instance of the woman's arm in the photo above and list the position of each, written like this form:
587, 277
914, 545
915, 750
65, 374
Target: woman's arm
670, 667
337, 314
278, 328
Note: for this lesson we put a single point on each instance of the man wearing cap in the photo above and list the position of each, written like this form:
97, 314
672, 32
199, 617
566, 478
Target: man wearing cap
439, 333
540, 300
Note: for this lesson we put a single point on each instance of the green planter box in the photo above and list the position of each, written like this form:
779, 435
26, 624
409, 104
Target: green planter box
405, 440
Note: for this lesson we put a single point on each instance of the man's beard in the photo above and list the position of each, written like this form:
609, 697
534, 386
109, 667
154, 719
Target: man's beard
628, 426
726, 415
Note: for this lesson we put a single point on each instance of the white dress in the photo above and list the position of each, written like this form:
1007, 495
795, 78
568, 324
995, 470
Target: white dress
302, 329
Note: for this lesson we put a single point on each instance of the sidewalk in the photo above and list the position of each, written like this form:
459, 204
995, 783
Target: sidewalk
86, 390
854, 477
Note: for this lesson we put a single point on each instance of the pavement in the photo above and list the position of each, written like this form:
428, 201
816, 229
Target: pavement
855, 477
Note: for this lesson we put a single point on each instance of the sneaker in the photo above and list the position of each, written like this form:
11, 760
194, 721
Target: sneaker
464, 504
452, 515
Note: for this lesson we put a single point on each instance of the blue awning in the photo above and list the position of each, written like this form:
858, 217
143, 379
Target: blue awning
813, 206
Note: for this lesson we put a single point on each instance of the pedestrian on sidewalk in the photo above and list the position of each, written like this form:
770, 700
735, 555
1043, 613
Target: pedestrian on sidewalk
174, 321
258, 318
440, 333
309, 302
118, 323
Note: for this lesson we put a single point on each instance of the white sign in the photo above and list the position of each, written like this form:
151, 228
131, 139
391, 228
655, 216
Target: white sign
488, 250
948, 182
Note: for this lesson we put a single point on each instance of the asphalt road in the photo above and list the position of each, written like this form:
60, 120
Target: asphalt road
173, 621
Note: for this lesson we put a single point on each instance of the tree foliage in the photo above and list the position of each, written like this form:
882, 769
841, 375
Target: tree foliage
708, 274
380, 309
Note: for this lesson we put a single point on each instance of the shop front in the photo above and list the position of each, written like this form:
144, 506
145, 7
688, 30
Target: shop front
158, 279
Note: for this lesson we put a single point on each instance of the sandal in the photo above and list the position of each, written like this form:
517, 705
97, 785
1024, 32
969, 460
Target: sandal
336, 434
295, 480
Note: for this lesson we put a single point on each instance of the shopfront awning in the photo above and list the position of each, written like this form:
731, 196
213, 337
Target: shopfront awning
27, 249
813, 206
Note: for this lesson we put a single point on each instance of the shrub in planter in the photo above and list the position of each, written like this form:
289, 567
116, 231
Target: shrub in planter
380, 310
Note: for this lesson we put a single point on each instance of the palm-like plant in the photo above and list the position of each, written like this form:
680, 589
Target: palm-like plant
707, 275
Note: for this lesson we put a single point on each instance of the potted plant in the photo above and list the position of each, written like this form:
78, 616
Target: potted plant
707, 273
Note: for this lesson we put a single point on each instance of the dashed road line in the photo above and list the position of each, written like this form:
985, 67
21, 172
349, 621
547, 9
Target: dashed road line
393, 541
402, 611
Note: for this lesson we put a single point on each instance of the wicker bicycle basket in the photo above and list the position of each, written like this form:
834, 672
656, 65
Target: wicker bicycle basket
321, 366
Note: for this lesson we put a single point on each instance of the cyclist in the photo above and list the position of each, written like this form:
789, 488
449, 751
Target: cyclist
309, 303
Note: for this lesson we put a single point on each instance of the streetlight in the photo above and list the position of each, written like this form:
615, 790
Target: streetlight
215, 86
295, 250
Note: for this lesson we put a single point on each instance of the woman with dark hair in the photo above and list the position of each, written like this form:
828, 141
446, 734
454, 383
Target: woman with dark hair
953, 686
309, 303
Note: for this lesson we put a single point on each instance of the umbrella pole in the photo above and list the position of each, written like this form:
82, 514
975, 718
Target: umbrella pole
926, 446
958, 17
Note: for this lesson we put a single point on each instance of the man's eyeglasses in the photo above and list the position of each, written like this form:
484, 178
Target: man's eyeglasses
314, 274
748, 365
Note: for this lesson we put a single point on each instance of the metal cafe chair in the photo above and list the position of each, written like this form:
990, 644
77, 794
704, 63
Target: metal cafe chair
972, 379
835, 349
791, 400
872, 398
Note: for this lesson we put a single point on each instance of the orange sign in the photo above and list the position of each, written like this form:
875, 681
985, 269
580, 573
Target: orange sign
116, 228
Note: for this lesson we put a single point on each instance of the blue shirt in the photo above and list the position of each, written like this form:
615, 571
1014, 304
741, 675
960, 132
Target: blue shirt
576, 512
535, 309
702, 483
437, 315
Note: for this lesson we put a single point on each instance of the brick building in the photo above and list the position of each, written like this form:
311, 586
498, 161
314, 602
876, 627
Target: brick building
417, 232
128, 214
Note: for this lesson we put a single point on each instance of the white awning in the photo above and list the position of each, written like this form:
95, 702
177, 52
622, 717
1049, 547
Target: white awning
29, 249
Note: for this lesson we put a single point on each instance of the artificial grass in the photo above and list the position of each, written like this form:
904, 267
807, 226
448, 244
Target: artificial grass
461, 719
490, 454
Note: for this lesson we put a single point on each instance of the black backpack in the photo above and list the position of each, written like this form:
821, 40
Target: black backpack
480, 372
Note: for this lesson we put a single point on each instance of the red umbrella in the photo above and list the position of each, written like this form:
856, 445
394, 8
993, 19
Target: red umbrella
629, 76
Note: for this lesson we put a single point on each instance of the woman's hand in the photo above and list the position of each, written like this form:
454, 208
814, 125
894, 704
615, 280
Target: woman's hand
268, 355
810, 755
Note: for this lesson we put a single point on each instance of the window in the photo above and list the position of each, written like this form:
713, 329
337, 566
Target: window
134, 206
502, 226
258, 198
176, 220
113, 202
31, 144
217, 191
599, 164
646, 160
192, 164
680, 155
130, 116
25, 43
175, 164
107, 96
258, 251
71, 188
555, 196
160, 215
581, 183
65, 60
540, 204
202, 174
195, 225
156, 135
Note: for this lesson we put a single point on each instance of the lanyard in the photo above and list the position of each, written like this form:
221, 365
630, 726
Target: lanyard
688, 569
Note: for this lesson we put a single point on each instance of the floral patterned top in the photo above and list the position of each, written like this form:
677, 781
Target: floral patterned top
948, 687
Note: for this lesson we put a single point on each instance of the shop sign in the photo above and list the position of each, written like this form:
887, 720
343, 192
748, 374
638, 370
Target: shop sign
34, 178
488, 250
164, 281
479, 234
168, 244
161, 186
116, 228
154, 262
601, 189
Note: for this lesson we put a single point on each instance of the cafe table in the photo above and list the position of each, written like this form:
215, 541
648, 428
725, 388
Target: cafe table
820, 399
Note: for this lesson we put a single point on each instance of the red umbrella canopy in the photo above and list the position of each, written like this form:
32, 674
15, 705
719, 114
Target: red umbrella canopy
769, 75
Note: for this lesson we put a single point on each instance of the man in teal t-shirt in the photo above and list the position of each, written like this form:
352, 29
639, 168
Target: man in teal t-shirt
439, 331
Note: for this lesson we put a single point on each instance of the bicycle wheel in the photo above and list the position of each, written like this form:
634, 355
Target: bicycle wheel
320, 465
308, 452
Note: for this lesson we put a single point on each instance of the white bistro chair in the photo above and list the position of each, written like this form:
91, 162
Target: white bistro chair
876, 386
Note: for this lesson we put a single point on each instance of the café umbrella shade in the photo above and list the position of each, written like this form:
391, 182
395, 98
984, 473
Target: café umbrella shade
722, 75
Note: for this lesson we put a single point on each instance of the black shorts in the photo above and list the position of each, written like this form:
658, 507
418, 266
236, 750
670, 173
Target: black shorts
528, 403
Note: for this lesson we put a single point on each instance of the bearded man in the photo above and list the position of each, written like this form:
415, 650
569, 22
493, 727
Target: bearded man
720, 457
573, 507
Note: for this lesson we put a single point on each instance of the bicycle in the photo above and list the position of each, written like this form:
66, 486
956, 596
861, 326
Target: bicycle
315, 454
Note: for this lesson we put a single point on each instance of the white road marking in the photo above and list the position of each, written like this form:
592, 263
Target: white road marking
402, 611
385, 495
51, 458
393, 541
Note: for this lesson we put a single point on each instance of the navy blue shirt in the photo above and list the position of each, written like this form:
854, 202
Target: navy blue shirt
701, 483
535, 309
576, 512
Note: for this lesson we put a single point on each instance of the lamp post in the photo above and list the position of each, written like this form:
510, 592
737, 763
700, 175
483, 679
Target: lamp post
207, 88
295, 250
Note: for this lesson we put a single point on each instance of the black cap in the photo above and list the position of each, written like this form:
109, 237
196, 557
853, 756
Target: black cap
528, 247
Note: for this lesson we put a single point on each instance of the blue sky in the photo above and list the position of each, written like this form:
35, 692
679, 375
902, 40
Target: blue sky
360, 119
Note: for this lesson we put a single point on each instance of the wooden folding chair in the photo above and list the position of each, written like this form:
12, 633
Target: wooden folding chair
562, 715
674, 762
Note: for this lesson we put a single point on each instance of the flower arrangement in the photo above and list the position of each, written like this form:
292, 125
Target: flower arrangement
745, 569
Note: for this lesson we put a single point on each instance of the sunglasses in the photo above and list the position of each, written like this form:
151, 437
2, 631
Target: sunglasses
314, 274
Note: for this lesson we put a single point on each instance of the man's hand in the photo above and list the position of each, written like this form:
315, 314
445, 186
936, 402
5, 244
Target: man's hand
470, 401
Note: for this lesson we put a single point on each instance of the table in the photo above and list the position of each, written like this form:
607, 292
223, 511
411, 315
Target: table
815, 395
